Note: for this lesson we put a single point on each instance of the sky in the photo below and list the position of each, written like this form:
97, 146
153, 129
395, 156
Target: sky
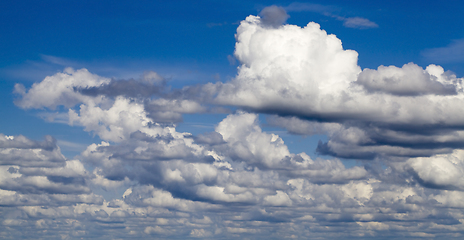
231, 119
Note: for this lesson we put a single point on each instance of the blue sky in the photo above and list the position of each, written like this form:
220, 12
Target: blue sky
231, 119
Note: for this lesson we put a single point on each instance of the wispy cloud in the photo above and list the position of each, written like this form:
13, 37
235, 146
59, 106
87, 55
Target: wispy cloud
358, 22
453, 53
327, 10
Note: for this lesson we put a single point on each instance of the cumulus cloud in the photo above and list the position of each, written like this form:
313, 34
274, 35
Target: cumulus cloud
306, 72
58, 89
30, 168
409, 80
442, 171
402, 125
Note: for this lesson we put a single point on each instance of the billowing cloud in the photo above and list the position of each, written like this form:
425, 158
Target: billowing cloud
58, 89
409, 80
401, 128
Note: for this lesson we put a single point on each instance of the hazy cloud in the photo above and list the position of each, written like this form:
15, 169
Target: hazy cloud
453, 53
358, 22
327, 10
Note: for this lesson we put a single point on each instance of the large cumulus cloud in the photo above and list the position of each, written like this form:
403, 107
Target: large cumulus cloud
305, 75
305, 72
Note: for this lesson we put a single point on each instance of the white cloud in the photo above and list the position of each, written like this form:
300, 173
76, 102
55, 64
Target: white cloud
58, 89
409, 80
241, 181
441, 171
306, 73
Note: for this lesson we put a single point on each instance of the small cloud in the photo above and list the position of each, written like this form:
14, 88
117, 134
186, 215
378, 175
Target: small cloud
273, 16
359, 22
210, 25
216, 77
232, 60
58, 60
350, 22
452, 53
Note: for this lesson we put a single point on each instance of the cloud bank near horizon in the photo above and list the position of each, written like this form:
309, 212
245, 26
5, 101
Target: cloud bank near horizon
403, 124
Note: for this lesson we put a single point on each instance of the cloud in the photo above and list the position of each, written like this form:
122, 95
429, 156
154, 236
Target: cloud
307, 73
453, 53
273, 16
443, 171
358, 22
326, 10
58, 89
30, 168
403, 126
410, 80
150, 84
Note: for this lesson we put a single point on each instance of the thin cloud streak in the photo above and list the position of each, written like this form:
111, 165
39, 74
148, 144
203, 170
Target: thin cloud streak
327, 10
453, 53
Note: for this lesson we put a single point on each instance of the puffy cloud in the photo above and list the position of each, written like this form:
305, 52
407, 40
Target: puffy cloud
410, 80
443, 171
112, 109
246, 142
240, 181
37, 173
306, 73
58, 89
20, 151
115, 123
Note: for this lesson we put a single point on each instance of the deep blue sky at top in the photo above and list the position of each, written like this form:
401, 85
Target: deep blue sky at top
190, 31
189, 41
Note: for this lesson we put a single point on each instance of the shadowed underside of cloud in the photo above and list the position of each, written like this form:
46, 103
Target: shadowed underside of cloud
402, 125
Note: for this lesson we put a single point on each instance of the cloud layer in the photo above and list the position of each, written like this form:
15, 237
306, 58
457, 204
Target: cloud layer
403, 126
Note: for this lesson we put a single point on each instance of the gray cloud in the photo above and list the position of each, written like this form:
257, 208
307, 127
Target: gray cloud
358, 22
273, 16
22, 142
327, 10
149, 84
